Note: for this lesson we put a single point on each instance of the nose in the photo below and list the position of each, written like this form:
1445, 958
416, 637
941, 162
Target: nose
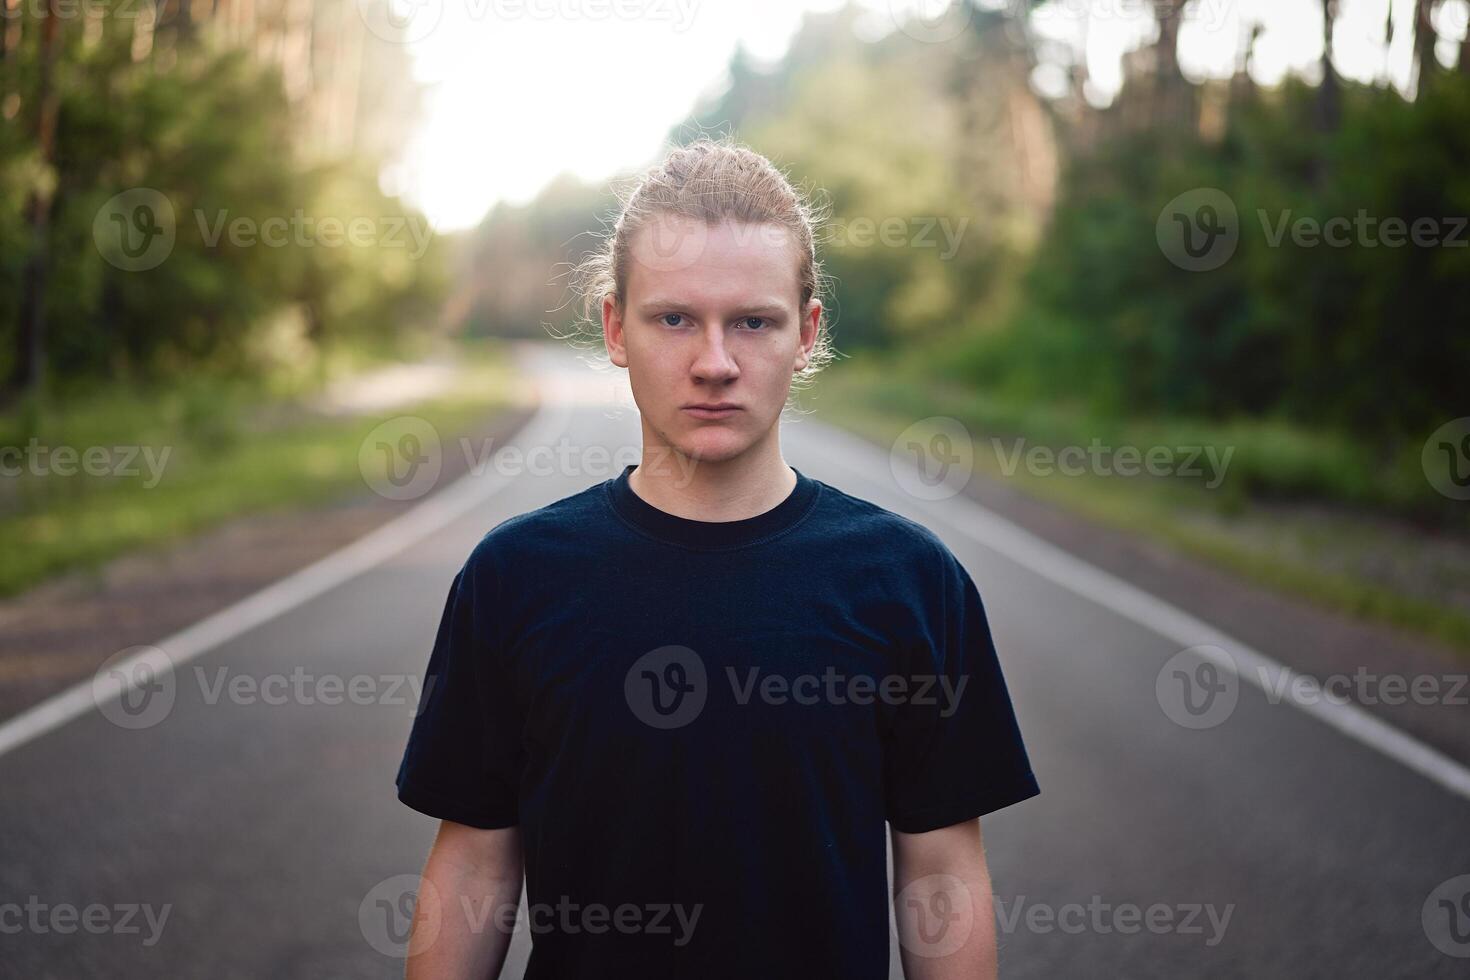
714, 362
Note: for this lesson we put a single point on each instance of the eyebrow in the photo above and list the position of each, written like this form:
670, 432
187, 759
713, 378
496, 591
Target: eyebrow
762, 308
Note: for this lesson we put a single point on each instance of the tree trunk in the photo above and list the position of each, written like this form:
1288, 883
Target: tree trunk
1425, 64
30, 361
1169, 89
1329, 95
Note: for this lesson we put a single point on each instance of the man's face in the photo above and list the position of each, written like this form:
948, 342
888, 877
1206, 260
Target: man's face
711, 316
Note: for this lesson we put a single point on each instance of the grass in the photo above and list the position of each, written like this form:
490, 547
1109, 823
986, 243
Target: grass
224, 449
1231, 527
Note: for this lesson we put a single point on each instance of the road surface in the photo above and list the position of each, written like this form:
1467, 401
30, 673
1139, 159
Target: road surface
251, 830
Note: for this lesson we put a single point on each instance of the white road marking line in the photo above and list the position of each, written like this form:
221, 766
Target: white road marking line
436, 512
980, 525
1031, 552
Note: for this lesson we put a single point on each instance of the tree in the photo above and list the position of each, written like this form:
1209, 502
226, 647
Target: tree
1425, 64
1170, 90
1329, 94
30, 355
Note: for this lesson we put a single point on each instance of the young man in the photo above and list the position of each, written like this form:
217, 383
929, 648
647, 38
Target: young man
686, 700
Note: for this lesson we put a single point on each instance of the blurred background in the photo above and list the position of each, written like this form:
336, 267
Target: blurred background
1159, 308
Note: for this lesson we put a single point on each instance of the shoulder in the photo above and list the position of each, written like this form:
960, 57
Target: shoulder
882, 532
523, 539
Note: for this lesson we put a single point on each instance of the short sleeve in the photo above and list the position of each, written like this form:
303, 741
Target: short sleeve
464, 754
956, 753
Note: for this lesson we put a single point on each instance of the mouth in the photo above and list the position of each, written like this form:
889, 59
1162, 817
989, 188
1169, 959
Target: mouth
712, 410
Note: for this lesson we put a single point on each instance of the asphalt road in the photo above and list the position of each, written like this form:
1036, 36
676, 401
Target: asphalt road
1269, 845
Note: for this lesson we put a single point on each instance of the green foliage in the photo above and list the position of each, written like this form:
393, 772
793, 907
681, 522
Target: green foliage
516, 262
264, 267
191, 453
1364, 337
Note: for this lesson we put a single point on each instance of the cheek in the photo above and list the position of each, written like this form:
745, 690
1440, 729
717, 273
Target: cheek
650, 359
772, 381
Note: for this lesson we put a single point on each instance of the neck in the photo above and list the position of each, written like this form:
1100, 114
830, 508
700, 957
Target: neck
704, 490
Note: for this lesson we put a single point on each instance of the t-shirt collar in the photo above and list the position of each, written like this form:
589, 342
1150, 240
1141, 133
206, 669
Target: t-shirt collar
710, 535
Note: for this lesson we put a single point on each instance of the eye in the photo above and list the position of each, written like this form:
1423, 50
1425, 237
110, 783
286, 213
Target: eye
753, 319
664, 318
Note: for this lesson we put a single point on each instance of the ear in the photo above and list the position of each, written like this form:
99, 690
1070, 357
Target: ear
810, 322
612, 331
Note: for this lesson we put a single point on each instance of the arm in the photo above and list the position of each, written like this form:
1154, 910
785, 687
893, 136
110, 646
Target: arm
943, 904
461, 926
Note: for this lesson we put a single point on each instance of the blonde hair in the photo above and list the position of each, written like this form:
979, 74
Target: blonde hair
712, 180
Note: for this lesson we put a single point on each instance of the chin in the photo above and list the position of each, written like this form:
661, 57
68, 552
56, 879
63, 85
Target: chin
714, 447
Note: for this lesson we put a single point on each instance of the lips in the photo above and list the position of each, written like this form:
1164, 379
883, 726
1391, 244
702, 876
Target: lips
716, 411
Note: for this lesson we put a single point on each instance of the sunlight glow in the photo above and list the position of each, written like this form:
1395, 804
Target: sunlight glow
519, 91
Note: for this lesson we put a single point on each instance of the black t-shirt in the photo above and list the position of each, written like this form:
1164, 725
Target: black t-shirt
701, 727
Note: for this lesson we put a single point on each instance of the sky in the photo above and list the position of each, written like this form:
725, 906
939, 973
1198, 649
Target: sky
518, 91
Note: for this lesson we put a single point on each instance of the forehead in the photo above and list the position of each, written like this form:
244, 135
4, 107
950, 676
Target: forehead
679, 256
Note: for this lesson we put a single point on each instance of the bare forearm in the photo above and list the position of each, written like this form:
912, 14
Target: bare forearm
944, 905
465, 914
